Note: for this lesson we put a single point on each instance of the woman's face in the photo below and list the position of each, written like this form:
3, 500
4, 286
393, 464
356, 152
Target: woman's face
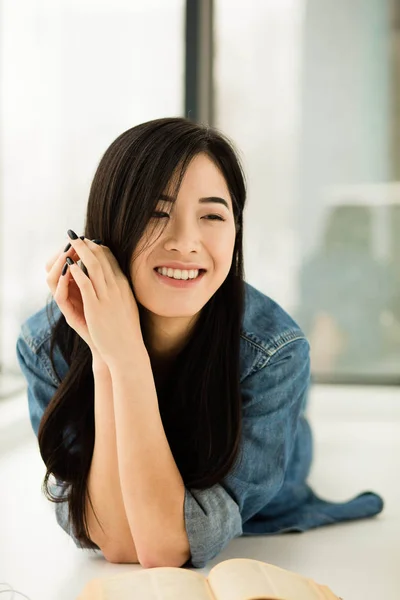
194, 233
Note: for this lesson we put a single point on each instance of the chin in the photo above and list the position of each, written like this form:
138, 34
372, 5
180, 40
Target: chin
174, 312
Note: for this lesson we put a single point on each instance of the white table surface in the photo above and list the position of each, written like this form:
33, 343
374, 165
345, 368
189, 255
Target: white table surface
357, 448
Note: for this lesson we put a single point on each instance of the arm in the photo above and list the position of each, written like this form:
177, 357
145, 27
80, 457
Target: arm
41, 387
273, 398
151, 484
103, 483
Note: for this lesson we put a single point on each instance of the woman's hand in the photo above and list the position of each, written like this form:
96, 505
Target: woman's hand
108, 315
67, 294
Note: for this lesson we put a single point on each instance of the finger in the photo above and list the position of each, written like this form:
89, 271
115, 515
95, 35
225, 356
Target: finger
61, 293
53, 259
70, 252
67, 252
106, 253
85, 285
56, 269
97, 263
62, 297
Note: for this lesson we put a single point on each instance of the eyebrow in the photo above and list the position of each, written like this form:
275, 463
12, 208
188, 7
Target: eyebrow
208, 199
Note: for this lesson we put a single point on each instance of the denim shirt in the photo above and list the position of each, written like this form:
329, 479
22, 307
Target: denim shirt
266, 492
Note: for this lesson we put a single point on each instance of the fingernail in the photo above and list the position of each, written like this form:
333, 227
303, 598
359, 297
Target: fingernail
69, 260
72, 234
65, 267
68, 246
98, 242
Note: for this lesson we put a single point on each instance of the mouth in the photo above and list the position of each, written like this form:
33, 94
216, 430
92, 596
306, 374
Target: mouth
180, 283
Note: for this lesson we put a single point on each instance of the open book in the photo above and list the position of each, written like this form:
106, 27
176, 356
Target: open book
234, 579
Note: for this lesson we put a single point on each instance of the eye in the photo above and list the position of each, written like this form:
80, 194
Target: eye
159, 215
217, 218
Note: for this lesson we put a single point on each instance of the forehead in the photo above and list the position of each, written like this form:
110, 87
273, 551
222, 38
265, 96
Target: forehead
202, 178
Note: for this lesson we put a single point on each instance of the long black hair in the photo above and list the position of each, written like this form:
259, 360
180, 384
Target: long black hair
201, 404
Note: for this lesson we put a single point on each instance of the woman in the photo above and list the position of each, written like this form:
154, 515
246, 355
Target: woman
170, 413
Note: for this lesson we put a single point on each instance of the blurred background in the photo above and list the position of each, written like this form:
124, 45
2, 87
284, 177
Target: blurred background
307, 89
309, 92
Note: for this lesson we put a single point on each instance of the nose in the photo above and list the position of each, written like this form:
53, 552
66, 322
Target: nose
182, 234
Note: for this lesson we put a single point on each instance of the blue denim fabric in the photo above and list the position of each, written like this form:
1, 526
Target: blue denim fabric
266, 492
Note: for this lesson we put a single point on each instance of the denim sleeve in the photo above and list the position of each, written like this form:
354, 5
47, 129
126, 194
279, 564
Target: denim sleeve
41, 387
273, 399
212, 519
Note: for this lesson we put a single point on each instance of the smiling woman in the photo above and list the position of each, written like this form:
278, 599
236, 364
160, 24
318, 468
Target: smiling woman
198, 240
176, 405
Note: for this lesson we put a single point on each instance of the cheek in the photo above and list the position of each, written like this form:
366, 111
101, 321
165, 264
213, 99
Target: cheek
222, 248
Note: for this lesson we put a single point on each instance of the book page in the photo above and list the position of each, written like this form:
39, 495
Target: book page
247, 579
159, 583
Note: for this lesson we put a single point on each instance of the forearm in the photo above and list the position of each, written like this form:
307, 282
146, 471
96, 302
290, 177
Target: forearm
114, 537
151, 484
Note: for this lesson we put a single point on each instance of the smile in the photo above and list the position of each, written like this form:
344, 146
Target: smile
179, 283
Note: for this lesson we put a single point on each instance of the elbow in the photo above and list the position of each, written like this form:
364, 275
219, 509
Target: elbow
120, 556
127, 554
170, 560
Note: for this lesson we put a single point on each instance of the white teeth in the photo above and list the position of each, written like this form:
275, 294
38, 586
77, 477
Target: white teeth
178, 273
